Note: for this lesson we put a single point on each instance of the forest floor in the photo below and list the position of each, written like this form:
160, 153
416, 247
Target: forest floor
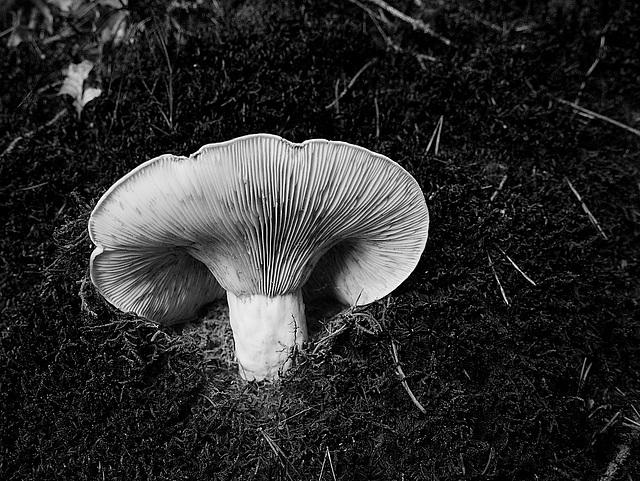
519, 332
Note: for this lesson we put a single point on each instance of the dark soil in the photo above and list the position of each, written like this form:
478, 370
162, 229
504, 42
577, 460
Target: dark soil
542, 382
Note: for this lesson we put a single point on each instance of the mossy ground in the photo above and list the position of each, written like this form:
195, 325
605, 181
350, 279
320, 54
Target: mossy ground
543, 387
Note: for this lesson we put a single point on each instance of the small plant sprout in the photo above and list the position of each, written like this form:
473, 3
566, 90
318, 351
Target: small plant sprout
266, 220
74, 85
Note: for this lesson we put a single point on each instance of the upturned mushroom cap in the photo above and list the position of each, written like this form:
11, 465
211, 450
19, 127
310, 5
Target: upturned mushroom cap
256, 215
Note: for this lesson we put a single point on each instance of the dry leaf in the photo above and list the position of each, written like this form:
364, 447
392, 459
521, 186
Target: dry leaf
114, 29
63, 5
73, 85
114, 3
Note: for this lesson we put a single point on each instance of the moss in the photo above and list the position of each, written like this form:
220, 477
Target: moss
540, 388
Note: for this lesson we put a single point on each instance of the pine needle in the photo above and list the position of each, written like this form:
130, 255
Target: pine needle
324, 461
499, 188
350, 84
415, 23
437, 132
586, 209
495, 274
284, 461
531, 281
598, 116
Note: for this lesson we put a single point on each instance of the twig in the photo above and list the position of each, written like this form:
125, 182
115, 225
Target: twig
596, 115
498, 189
403, 378
531, 281
31, 133
481, 20
414, 22
326, 339
616, 463
351, 83
495, 274
586, 209
610, 423
284, 421
32, 187
562, 472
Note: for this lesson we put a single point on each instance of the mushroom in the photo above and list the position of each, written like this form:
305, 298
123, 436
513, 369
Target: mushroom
265, 220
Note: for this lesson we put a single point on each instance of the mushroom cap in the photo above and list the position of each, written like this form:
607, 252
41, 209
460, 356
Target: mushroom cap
256, 215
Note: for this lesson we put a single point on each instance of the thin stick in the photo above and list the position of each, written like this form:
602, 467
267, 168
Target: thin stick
495, 274
414, 22
531, 281
295, 415
616, 463
31, 133
403, 378
499, 188
481, 20
351, 83
326, 339
564, 473
31, 187
599, 116
586, 209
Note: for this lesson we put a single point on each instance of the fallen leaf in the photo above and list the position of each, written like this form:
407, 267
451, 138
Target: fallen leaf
63, 5
73, 85
114, 29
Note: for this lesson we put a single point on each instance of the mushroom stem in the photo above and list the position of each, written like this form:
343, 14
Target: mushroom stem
266, 331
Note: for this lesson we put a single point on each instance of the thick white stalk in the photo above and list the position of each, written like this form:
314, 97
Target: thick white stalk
266, 331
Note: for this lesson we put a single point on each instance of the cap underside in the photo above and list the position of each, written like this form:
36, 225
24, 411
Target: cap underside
260, 213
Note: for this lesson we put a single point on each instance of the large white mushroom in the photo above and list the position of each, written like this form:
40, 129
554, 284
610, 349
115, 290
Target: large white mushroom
263, 219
